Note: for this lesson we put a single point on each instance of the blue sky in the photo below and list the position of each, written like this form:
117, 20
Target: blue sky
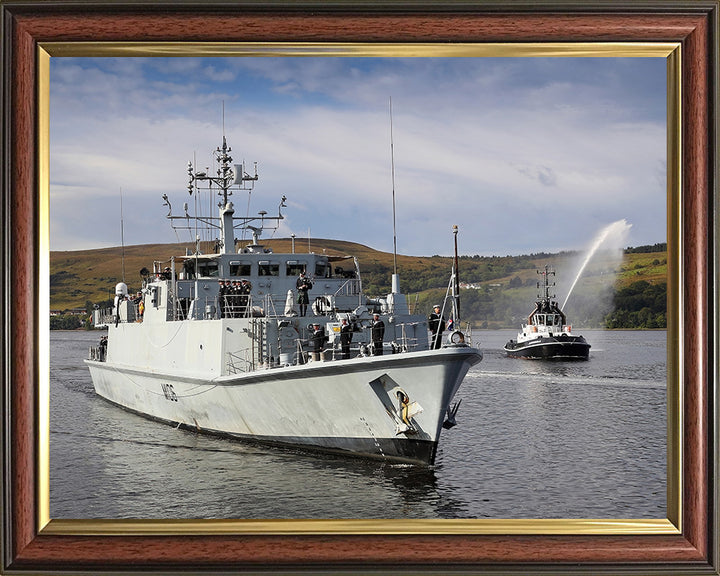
523, 154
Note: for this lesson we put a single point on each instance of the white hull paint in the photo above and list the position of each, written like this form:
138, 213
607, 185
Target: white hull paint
343, 405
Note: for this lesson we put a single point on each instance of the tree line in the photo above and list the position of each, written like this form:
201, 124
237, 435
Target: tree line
640, 305
500, 298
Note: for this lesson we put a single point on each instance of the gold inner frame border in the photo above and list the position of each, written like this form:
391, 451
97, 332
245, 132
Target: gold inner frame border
671, 525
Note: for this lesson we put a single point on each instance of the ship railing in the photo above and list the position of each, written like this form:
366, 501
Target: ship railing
238, 362
103, 316
97, 353
216, 307
106, 319
269, 305
406, 343
206, 308
350, 287
182, 308
300, 354
235, 306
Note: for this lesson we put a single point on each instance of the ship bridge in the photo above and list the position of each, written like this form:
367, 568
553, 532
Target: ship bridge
271, 280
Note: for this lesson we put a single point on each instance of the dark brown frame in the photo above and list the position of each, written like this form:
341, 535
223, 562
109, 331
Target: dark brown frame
26, 548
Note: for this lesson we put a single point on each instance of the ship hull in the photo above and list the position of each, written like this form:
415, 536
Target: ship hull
345, 406
550, 348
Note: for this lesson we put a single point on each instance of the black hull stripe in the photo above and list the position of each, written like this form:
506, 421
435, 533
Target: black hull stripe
550, 351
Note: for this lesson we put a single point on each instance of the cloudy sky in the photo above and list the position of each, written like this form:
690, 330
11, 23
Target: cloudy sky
523, 154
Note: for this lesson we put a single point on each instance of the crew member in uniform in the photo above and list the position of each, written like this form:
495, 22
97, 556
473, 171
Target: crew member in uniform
236, 293
303, 284
436, 323
245, 289
102, 349
346, 334
318, 340
377, 334
232, 297
222, 299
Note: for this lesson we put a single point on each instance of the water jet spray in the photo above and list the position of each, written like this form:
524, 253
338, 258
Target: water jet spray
613, 237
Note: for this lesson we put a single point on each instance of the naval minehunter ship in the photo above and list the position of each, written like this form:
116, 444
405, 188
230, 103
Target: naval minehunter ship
202, 350
547, 334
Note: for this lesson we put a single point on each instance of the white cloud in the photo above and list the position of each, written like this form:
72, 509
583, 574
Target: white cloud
495, 147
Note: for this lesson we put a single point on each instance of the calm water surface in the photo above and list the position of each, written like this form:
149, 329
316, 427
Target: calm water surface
534, 440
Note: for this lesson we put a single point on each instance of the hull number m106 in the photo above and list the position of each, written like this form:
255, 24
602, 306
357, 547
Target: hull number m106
169, 392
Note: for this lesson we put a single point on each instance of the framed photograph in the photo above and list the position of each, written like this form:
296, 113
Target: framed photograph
682, 34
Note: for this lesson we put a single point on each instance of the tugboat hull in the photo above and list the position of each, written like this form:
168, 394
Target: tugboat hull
546, 348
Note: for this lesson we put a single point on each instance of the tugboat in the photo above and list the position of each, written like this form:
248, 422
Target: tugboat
279, 349
547, 334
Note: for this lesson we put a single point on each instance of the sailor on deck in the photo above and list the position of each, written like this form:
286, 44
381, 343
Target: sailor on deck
245, 289
377, 335
436, 323
346, 334
222, 299
318, 339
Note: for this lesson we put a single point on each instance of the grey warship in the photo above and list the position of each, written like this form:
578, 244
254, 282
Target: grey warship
231, 344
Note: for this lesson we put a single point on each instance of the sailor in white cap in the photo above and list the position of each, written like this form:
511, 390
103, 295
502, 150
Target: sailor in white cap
377, 334
436, 323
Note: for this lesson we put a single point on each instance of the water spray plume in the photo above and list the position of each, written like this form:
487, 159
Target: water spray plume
612, 237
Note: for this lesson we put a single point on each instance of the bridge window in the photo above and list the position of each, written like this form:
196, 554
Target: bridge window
240, 269
188, 269
266, 268
322, 270
208, 269
294, 267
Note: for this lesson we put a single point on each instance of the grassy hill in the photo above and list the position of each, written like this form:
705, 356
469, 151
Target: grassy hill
79, 276
504, 287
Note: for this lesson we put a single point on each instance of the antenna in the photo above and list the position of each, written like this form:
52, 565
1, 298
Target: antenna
392, 169
456, 283
122, 236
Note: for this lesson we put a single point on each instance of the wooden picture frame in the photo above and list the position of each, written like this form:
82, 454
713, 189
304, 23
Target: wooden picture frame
687, 542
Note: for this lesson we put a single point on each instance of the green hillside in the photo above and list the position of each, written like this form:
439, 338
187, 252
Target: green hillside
501, 293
